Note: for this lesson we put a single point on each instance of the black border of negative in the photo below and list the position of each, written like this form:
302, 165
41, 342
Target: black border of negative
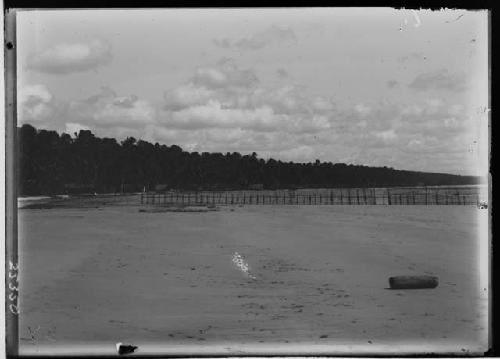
11, 258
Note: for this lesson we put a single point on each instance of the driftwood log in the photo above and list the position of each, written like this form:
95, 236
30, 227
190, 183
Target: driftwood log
413, 282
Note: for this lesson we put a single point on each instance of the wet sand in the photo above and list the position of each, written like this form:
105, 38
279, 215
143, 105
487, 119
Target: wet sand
167, 281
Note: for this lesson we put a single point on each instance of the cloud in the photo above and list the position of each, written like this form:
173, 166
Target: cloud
387, 136
72, 128
225, 74
426, 134
259, 40
225, 96
36, 105
107, 109
105, 113
225, 108
439, 80
70, 58
259, 119
185, 96
362, 110
214, 112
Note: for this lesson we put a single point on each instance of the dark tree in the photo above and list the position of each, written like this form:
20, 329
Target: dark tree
49, 163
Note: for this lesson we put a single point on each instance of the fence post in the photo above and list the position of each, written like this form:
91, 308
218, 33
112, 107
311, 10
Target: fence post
388, 198
437, 202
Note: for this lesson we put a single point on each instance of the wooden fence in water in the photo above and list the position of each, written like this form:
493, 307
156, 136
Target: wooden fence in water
357, 196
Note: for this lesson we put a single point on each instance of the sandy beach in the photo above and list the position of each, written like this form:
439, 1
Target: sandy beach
317, 279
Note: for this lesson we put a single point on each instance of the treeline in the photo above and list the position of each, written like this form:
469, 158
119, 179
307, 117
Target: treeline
49, 163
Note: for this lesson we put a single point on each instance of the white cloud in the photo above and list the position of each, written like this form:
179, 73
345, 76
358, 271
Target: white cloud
225, 96
105, 113
35, 105
387, 136
363, 110
107, 109
72, 128
186, 96
220, 112
225, 74
68, 58
217, 115
259, 40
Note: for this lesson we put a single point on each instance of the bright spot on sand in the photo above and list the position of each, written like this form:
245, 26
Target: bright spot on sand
242, 265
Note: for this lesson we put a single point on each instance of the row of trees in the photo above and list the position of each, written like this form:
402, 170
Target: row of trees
49, 163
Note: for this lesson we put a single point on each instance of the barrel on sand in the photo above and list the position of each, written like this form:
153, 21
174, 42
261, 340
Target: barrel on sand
413, 282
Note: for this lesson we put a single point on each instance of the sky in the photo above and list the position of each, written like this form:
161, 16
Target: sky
370, 86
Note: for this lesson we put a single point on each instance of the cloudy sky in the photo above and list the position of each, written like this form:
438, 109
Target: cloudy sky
381, 87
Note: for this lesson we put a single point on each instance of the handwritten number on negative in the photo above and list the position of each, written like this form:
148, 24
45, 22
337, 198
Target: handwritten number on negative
13, 287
